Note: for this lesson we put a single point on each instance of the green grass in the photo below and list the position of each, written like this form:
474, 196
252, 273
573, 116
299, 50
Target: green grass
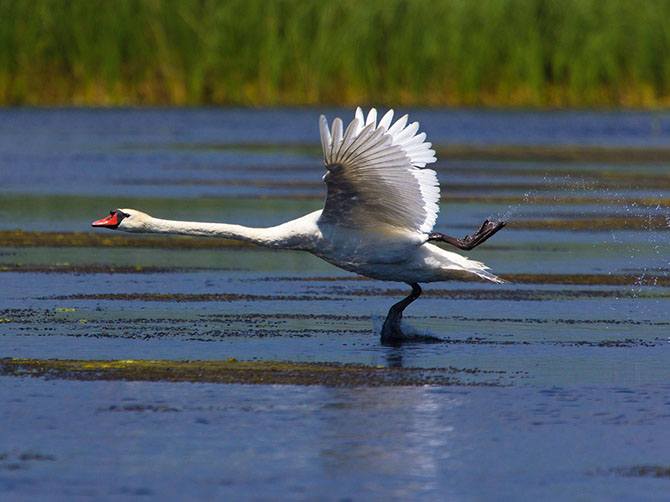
265, 52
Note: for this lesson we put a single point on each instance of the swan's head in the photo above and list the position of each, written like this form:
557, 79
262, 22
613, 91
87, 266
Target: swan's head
128, 220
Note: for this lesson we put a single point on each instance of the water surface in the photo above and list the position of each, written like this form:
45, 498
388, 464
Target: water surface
565, 391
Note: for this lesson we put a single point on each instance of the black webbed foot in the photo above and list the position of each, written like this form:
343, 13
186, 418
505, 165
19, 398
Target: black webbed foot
485, 232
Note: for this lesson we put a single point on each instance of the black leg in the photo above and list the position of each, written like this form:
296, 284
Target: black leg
487, 230
391, 328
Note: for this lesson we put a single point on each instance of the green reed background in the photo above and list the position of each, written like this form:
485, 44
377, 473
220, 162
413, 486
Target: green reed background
269, 52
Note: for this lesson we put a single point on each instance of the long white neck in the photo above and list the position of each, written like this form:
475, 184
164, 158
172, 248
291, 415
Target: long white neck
296, 234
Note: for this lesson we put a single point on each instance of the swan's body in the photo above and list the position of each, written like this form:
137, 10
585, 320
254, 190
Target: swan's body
380, 209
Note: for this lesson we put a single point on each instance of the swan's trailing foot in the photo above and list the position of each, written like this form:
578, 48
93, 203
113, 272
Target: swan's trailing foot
487, 230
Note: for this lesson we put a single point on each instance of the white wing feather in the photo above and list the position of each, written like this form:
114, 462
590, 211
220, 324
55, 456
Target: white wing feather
375, 174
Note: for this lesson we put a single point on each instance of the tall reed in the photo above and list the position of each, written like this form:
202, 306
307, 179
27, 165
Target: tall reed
269, 52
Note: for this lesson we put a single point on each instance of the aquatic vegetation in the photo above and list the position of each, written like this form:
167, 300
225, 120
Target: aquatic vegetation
234, 371
22, 460
19, 238
252, 52
642, 471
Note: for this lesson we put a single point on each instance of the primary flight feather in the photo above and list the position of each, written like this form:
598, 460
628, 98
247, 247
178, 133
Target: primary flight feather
374, 174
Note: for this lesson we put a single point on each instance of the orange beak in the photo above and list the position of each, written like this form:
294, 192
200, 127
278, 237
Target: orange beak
110, 221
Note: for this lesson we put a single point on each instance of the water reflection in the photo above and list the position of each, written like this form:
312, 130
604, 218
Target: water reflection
403, 453
393, 355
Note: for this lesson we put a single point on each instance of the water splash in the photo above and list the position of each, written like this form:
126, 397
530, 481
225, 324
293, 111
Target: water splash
410, 332
639, 239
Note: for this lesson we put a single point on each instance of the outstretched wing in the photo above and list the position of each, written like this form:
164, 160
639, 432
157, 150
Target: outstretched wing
375, 174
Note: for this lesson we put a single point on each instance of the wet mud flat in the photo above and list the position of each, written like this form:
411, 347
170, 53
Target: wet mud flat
124, 355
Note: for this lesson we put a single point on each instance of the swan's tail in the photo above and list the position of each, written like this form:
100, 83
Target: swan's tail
470, 267
483, 272
465, 268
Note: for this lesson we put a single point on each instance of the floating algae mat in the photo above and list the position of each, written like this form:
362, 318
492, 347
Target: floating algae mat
233, 371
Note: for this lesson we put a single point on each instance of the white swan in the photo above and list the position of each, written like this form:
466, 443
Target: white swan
380, 208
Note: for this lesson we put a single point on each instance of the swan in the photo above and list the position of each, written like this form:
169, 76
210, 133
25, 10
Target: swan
377, 220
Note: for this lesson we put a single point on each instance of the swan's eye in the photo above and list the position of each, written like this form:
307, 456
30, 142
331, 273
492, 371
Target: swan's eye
120, 215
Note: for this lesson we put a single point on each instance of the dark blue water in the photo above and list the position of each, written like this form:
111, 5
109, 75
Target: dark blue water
205, 441
579, 341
